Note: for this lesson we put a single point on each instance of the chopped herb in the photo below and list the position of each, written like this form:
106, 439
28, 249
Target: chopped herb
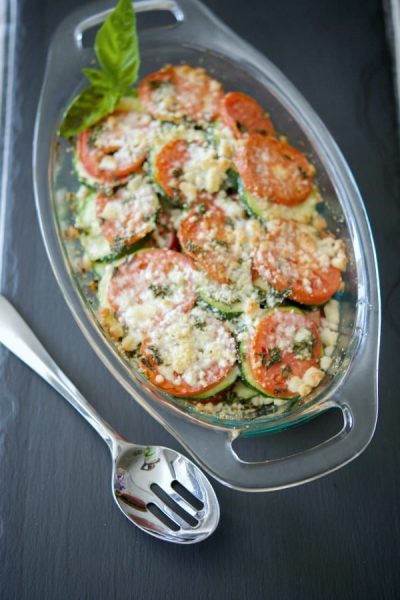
145, 362
272, 297
192, 247
156, 84
132, 353
201, 208
222, 243
200, 324
272, 357
231, 180
156, 354
160, 291
286, 371
265, 409
304, 348
303, 173
94, 135
177, 172
287, 156
229, 222
109, 192
119, 244
175, 199
242, 128
280, 391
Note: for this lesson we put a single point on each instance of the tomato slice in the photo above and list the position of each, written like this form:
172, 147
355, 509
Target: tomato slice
206, 234
199, 95
116, 147
149, 284
188, 354
181, 91
214, 376
285, 344
274, 170
182, 170
243, 115
169, 167
297, 257
128, 215
157, 93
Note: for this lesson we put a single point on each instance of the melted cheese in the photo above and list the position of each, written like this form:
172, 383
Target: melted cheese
131, 211
156, 294
129, 134
189, 345
204, 170
224, 140
313, 253
188, 351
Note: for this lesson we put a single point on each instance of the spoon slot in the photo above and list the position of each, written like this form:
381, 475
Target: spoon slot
161, 516
186, 495
176, 508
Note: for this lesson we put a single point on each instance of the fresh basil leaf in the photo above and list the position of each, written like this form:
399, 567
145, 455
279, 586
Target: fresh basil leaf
117, 47
86, 109
117, 51
98, 79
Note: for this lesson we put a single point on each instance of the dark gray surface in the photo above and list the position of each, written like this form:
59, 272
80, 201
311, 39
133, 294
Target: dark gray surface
61, 536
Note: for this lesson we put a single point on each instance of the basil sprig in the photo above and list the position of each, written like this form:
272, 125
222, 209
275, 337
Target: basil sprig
117, 51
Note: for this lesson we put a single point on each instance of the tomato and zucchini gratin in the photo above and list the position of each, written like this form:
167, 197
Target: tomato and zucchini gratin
216, 273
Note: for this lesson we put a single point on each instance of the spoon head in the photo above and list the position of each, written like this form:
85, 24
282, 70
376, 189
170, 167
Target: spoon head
164, 493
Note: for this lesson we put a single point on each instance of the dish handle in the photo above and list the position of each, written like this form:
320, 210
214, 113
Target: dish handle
68, 38
69, 34
212, 447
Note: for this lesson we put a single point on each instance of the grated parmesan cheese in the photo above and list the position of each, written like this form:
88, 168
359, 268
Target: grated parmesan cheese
304, 385
192, 346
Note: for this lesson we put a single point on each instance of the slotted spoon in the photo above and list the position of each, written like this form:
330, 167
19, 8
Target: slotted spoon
158, 489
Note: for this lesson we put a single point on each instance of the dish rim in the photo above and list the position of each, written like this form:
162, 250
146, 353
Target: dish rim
72, 29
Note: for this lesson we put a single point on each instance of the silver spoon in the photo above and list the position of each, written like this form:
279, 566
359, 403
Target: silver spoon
156, 488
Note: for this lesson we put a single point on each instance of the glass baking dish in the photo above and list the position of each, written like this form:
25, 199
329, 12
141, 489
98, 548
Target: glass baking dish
197, 37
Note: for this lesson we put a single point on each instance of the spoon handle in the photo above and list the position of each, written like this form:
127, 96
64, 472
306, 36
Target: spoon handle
18, 337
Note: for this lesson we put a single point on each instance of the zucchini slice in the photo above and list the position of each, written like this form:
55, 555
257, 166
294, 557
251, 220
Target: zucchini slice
101, 157
304, 349
187, 167
228, 299
263, 209
83, 176
243, 392
246, 373
225, 310
115, 226
220, 387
